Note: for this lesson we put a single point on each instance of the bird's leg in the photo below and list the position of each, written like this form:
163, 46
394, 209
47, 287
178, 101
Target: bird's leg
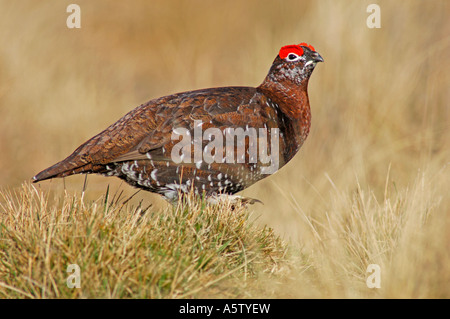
232, 199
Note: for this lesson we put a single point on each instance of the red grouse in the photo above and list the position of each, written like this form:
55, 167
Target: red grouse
212, 141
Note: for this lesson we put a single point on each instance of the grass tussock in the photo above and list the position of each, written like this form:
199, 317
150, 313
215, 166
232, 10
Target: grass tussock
128, 252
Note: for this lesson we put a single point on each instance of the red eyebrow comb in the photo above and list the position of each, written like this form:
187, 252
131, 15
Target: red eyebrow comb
309, 46
284, 51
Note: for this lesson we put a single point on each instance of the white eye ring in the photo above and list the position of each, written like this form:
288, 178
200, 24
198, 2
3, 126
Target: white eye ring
292, 57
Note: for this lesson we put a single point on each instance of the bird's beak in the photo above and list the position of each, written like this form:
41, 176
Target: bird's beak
316, 57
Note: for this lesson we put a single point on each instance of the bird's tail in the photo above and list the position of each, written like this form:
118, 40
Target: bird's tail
81, 161
62, 169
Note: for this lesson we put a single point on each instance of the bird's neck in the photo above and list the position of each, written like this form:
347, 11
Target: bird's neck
293, 101
291, 98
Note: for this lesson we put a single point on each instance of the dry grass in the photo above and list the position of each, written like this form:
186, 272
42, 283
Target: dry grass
404, 232
128, 252
371, 183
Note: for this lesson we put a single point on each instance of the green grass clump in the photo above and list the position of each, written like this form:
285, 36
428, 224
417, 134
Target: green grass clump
192, 249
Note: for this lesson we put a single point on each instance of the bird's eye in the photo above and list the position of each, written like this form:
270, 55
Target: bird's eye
292, 57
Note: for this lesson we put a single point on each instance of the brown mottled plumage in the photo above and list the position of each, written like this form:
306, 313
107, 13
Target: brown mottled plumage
137, 148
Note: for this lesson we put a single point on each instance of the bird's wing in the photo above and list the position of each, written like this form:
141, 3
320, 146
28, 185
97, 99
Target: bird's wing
147, 130
152, 137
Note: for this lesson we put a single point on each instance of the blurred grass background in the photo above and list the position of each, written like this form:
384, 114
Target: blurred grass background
380, 109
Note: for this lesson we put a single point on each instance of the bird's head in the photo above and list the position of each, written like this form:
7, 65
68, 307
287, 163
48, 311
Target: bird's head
294, 63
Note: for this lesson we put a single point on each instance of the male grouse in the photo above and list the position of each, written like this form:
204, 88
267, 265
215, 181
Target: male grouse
212, 141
